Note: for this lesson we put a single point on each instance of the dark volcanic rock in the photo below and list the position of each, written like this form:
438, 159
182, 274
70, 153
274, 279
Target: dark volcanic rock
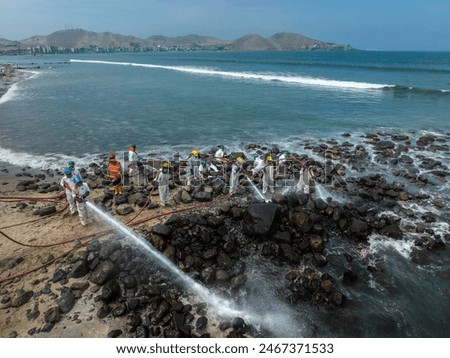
110, 291
302, 220
114, 333
66, 301
161, 229
201, 323
102, 272
393, 231
359, 229
80, 269
46, 211
21, 298
52, 315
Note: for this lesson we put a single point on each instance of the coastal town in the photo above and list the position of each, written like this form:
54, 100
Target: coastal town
74, 41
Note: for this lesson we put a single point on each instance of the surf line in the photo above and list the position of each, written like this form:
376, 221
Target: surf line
300, 80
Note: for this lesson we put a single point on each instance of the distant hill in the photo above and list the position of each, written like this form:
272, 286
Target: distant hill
283, 41
252, 42
8, 46
188, 40
78, 40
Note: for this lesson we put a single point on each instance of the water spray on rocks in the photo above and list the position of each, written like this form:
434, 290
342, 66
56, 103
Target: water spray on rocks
221, 306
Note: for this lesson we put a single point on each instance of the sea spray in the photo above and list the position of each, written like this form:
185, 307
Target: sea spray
255, 189
221, 306
326, 195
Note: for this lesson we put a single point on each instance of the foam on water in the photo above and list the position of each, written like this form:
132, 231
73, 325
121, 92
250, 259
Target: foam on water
379, 244
13, 91
299, 80
10, 94
48, 161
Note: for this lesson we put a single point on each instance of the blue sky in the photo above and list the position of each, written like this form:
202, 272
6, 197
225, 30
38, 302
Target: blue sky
380, 24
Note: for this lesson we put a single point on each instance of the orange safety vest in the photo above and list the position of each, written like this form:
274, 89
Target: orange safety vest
114, 169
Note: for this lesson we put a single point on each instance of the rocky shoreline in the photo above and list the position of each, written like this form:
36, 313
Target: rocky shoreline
6, 77
384, 185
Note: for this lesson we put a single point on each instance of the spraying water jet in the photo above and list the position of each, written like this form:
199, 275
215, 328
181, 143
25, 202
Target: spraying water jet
256, 190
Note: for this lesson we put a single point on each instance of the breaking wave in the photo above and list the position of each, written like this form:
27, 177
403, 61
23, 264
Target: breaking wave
299, 80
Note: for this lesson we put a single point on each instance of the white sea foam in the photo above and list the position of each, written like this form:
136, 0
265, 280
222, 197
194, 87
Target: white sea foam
42, 162
283, 78
13, 91
10, 94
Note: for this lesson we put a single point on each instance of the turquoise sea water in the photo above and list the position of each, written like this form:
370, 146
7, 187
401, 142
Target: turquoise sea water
160, 101
77, 107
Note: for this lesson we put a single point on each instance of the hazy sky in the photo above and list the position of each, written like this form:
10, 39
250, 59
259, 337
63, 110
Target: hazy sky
376, 24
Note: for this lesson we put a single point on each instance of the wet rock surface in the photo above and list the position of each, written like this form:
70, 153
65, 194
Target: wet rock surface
218, 244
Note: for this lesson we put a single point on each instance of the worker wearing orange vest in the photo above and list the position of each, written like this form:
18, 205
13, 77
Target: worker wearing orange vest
115, 173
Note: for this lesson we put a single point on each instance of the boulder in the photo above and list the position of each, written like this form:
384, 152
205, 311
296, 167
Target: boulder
302, 221
102, 272
203, 196
52, 315
359, 229
66, 301
162, 230
21, 298
393, 231
124, 210
46, 211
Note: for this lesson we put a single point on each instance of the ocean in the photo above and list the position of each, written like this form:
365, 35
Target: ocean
78, 107
168, 100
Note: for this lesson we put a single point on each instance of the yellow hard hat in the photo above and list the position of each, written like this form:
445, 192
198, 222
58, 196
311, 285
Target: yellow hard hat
269, 158
165, 165
195, 152
240, 159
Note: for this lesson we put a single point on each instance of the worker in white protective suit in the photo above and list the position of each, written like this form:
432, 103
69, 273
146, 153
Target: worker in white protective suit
220, 152
258, 165
67, 183
162, 178
193, 166
307, 176
80, 192
268, 175
204, 169
133, 169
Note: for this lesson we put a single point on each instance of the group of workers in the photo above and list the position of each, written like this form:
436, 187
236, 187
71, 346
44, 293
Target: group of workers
263, 166
197, 169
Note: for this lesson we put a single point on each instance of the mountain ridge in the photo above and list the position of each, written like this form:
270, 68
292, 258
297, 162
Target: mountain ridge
79, 40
